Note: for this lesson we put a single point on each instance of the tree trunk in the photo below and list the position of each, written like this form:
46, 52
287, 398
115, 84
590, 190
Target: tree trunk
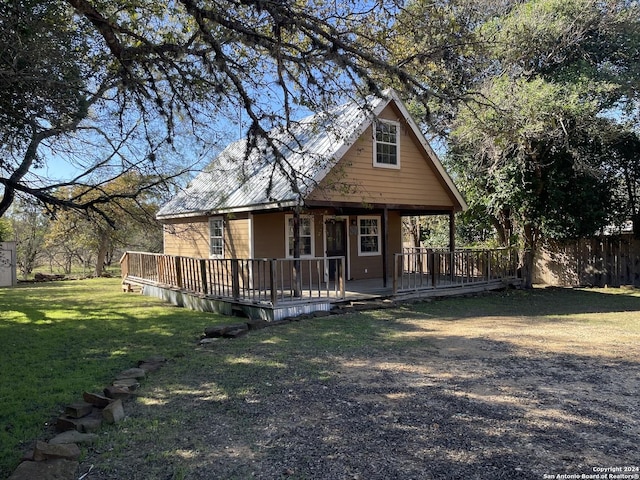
528, 257
103, 249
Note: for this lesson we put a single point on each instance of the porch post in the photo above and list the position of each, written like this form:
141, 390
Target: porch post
297, 279
203, 276
178, 272
385, 241
235, 278
395, 271
452, 231
452, 244
272, 281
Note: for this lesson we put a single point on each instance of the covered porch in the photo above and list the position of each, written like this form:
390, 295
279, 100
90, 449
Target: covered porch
273, 289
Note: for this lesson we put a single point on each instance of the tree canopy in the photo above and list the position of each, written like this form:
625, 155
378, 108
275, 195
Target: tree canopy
554, 80
536, 100
109, 86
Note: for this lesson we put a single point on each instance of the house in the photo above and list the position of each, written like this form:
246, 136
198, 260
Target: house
347, 176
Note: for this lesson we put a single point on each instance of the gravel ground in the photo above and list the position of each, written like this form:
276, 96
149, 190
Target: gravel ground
486, 398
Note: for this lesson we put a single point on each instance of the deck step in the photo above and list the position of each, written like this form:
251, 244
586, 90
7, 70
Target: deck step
133, 287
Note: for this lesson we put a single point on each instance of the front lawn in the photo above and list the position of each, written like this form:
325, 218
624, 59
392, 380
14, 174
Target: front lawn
59, 339
514, 384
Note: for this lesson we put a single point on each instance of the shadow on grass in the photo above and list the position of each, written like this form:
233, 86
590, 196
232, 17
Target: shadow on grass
537, 302
357, 397
60, 339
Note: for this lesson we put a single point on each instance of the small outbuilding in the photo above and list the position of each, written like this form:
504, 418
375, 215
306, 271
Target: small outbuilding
8, 276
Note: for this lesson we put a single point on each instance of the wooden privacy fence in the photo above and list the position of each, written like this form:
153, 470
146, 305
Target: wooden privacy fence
420, 268
244, 280
611, 260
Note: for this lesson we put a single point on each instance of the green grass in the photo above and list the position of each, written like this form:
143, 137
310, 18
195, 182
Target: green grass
60, 339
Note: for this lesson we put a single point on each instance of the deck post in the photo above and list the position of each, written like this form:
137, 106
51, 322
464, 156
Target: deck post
434, 267
395, 271
452, 262
488, 254
203, 276
235, 278
342, 276
160, 268
385, 243
272, 282
124, 265
178, 273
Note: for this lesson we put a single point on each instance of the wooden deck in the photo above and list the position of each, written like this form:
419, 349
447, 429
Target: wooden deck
273, 289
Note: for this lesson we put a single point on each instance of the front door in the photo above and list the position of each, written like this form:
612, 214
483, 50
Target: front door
336, 232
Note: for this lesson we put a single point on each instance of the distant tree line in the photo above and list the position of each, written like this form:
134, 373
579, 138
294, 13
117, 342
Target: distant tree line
74, 243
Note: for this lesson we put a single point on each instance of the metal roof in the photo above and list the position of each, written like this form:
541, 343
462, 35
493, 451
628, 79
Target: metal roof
244, 179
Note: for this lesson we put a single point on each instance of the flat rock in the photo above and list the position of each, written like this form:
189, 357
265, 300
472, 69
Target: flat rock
215, 331
153, 359
88, 424
235, 333
73, 436
150, 367
130, 384
96, 399
114, 412
257, 324
221, 330
58, 469
48, 451
78, 410
137, 373
117, 392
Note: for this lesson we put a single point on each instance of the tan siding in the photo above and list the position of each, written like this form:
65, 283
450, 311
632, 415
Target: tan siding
364, 267
318, 233
268, 231
373, 264
237, 238
416, 183
395, 235
187, 238
191, 238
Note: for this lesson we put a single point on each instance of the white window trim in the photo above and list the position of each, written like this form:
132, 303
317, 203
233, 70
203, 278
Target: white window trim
395, 166
369, 254
286, 236
211, 220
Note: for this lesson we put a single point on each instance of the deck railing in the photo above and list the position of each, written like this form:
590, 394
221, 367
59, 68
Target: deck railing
253, 280
421, 268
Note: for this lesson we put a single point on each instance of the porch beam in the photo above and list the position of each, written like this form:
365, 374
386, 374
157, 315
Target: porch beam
349, 208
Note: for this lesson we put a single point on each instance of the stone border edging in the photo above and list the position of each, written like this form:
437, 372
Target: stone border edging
58, 458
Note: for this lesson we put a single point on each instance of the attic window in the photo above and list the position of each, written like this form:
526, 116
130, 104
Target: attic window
386, 147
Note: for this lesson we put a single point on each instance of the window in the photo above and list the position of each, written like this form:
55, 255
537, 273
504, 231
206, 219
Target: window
216, 237
386, 152
306, 235
368, 236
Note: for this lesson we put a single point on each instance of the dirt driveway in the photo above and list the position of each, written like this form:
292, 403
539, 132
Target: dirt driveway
426, 392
